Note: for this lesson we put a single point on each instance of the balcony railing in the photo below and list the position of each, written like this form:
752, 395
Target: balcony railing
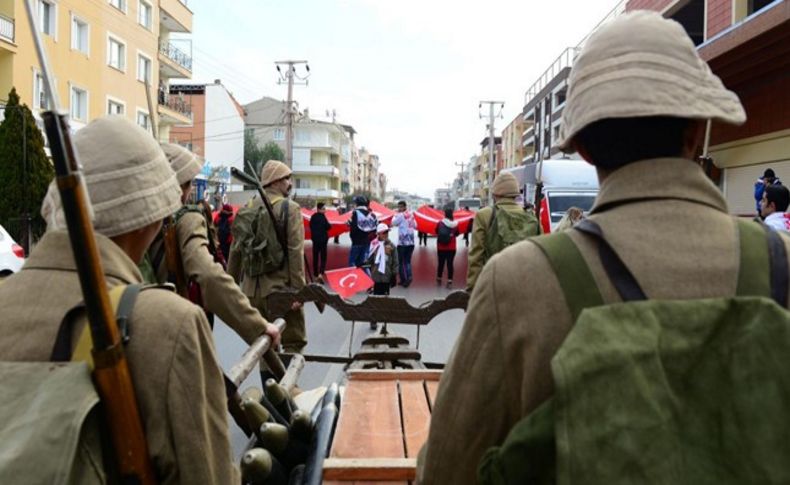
176, 55
175, 103
7, 28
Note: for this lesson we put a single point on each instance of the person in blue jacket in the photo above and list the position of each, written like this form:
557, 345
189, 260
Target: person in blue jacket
768, 178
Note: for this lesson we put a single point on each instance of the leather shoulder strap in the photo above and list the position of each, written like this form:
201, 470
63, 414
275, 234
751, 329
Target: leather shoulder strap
122, 298
576, 280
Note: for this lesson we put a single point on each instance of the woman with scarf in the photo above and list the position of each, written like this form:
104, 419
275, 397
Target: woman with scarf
446, 232
383, 263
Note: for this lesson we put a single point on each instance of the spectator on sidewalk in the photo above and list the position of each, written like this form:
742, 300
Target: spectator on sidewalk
446, 232
224, 222
319, 234
406, 224
773, 206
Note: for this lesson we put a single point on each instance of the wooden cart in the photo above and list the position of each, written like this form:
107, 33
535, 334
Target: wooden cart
384, 420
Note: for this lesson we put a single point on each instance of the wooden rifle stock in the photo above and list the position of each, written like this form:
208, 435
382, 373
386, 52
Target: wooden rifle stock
111, 370
175, 266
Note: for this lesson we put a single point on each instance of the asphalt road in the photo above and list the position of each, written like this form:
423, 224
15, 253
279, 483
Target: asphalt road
328, 334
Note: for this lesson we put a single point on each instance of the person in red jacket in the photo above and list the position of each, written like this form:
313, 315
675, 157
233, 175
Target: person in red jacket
223, 221
446, 232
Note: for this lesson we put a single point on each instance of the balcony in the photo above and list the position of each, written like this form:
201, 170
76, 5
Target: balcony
317, 193
174, 62
175, 16
7, 32
304, 169
173, 110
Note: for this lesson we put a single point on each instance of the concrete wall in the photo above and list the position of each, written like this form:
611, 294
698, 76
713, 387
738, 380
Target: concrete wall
224, 129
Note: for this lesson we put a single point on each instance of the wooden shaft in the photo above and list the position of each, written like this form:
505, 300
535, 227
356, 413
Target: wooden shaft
111, 372
239, 372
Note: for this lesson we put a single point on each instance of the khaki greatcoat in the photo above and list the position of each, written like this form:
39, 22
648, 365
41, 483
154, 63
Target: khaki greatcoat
171, 355
477, 252
221, 295
294, 338
669, 224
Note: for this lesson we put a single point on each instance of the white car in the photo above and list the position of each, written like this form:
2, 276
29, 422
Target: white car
12, 256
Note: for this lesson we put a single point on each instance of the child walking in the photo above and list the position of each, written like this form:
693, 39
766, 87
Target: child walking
383, 263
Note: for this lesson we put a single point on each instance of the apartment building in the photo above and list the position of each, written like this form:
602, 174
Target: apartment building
512, 147
480, 170
320, 148
747, 44
544, 102
103, 53
216, 133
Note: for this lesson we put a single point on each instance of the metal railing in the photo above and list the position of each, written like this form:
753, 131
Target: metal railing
176, 55
569, 55
7, 28
564, 60
175, 103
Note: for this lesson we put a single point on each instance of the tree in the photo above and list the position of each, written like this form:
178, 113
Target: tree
256, 155
24, 169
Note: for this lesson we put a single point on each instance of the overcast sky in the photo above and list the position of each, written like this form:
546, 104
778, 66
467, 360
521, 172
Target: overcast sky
407, 74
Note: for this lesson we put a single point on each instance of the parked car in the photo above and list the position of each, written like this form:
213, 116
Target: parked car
12, 256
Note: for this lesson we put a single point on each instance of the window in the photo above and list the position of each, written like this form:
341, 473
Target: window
145, 14
116, 53
143, 68
115, 107
47, 17
279, 134
119, 4
39, 92
143, 119
80, 35
79, 104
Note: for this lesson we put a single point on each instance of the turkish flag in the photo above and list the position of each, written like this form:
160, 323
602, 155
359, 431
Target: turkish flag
348, 281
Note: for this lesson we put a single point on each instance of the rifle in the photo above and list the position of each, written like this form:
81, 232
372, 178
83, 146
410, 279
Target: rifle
111, 370
175, 265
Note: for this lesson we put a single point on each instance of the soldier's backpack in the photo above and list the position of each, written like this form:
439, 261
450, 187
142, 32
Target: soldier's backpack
651, 391
255, 235
507, 228
51, 429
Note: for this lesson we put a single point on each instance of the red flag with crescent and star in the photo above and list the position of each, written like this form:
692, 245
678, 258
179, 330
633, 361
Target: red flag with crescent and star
348, 281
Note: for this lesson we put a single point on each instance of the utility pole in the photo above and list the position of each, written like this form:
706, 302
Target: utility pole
288, 78
464, 181
492, 105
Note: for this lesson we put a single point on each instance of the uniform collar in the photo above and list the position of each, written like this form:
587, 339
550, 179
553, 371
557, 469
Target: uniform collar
658, 178
53, 252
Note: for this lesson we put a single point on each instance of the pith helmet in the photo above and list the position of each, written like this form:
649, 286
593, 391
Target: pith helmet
641, 65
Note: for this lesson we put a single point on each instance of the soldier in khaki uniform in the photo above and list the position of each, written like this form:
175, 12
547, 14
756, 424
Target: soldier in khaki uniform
505, 190
636, 109
171, 354
276, 180
220, 294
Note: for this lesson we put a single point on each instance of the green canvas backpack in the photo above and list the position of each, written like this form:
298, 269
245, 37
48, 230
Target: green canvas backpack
507, 228
256, 236
51, 427
664, 392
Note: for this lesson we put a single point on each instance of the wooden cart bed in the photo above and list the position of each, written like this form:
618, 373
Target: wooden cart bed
383, 423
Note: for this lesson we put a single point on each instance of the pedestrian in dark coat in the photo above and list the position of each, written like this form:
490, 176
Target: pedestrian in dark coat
319, 233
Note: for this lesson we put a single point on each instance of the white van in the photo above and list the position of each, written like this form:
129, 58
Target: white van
566, 183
